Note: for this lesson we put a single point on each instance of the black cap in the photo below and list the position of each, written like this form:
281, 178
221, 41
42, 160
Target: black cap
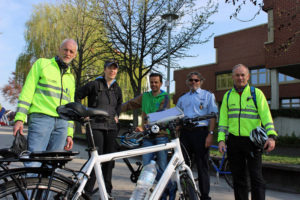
110, 62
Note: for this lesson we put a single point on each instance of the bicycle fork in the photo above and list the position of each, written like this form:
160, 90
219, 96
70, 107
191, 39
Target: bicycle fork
216, 169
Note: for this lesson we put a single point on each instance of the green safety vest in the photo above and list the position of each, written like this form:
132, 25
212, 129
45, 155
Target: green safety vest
239, 114
45, 89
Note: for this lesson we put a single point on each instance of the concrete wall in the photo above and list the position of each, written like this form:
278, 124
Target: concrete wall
287, 126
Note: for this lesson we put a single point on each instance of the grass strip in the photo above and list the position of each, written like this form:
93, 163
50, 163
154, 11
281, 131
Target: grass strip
269, 158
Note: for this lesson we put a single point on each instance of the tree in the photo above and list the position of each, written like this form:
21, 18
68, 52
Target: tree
238, 4
12, 90
49, 24
286, 17
23, 65
135, 29
44, 31
87, 33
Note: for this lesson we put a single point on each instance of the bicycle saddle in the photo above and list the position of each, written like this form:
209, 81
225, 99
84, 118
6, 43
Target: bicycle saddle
75, 111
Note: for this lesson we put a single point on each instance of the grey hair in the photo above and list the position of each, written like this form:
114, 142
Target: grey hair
197, 74
67, 40
201, 78
238, 66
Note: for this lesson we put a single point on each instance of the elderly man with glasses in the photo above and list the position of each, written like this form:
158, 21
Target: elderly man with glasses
196, 140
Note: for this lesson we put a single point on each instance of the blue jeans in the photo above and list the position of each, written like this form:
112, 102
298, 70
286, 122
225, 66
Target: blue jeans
45, 133
161, 156
162, 161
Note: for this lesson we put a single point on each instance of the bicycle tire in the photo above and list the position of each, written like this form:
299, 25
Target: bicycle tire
228, 176
59, 190
188, 188
229, 179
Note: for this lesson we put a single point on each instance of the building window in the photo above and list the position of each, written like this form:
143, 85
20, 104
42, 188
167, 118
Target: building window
285, 79
270, 26
290, 103
224, 81
260, 76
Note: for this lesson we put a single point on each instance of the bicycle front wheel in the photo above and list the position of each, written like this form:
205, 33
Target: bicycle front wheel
189, 191
36, 188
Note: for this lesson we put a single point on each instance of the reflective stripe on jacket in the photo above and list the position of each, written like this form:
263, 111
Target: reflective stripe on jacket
45, 89
240, 116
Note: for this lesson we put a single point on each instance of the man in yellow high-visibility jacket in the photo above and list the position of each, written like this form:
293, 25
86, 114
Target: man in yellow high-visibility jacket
239, 115
48, 85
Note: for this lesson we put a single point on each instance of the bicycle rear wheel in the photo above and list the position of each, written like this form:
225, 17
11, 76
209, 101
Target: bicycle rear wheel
36, 188
227, 174
188, 188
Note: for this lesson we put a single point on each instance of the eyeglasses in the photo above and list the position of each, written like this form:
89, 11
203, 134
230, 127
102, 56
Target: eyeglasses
196, 80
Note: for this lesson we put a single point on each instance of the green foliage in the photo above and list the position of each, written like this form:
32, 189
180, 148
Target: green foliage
23, 65
288, 141
281, 159
44, 31
172, 105
267, 158
292, 113
50, 24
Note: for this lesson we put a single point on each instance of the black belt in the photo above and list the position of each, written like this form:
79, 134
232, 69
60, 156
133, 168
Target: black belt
195, 128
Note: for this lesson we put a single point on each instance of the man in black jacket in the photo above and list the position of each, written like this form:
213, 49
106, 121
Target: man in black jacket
103, 93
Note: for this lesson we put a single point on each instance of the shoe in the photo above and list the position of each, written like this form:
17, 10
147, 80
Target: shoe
89, 194
110, 197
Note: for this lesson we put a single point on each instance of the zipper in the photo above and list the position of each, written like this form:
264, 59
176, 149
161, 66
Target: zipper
62, 87
240, 114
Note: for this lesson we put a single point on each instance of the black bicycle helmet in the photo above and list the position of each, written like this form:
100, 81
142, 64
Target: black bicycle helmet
258, 136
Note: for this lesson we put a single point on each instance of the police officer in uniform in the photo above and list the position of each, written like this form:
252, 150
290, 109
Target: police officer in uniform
196, 140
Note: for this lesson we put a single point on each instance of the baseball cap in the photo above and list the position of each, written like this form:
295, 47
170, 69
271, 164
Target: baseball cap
111, 62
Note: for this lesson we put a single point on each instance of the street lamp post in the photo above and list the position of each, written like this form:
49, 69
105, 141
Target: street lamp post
169, 18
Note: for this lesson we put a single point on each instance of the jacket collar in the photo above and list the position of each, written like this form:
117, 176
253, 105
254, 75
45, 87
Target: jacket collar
103, 79
68, 70
241, 90
162, 92
196, 91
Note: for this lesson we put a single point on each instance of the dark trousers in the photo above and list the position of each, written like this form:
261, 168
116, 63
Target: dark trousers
106, 143
194, 142
244, 156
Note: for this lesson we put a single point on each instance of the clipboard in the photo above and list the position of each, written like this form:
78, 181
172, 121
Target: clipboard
165, 116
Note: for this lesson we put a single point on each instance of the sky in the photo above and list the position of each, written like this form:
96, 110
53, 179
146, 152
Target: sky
15, 13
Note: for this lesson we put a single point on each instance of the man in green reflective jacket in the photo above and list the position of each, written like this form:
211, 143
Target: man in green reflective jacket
48, 85
239, 115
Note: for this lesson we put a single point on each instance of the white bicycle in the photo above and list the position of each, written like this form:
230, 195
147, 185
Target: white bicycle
50, 183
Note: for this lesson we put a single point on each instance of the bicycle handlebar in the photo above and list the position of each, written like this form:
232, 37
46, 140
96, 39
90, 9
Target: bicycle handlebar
132, 139
186, 121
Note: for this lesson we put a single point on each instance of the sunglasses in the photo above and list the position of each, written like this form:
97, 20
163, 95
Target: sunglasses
196, 80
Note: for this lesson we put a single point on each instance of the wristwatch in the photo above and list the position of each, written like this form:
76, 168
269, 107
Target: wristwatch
211, 132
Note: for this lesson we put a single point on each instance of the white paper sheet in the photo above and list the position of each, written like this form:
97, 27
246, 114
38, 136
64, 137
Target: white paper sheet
165, 116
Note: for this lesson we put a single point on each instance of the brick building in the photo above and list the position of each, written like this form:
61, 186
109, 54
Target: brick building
271, 51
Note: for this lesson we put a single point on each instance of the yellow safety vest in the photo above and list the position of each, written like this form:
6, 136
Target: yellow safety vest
239, 115
45, 89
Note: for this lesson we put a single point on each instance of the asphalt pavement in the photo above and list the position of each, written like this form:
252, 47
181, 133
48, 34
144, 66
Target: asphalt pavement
122, 186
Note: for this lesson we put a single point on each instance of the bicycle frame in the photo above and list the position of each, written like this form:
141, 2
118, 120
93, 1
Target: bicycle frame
219, 169
176, 164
